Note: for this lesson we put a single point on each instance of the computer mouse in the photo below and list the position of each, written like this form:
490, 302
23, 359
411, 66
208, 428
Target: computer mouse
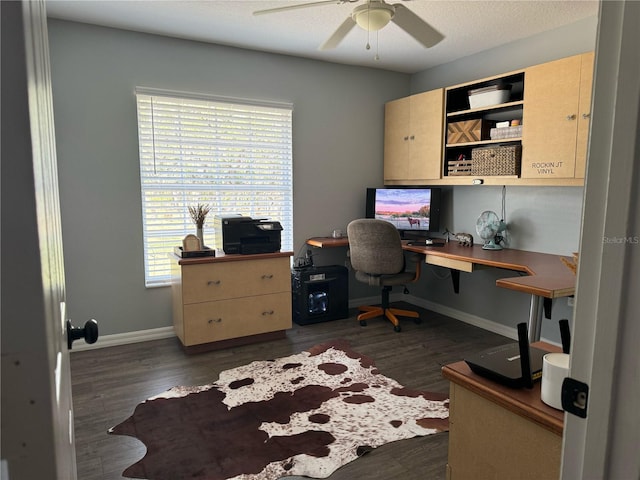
428, 241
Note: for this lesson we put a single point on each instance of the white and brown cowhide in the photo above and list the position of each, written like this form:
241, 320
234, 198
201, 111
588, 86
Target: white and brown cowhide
306, 414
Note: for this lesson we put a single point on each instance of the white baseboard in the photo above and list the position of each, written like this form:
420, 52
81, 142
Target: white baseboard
167, 332
443, 310
465, 317
125, 338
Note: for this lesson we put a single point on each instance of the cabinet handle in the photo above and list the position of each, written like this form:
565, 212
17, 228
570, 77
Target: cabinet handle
406, 138
267, 276
571, 117
412, 137
586, 115
213, 282
216, 320
270, 312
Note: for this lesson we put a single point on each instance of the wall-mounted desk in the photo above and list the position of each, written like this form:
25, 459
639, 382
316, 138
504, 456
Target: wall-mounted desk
546, 277
500, 432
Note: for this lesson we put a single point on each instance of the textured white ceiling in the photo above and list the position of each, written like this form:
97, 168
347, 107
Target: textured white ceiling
468, 26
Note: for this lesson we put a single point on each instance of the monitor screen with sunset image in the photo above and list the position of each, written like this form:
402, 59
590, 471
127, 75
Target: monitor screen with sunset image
407, 209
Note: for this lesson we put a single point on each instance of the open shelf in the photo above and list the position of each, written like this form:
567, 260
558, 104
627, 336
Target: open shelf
501, 106
470, 128
484, 142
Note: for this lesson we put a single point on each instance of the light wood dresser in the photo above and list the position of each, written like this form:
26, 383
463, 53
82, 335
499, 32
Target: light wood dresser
230, 300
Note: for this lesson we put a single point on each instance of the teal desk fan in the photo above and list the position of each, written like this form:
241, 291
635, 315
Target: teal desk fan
488, 226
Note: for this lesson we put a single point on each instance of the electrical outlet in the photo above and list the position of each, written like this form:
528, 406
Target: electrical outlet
570, 301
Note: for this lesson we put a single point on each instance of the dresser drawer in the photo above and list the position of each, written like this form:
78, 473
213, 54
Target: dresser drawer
225, 280
224, 319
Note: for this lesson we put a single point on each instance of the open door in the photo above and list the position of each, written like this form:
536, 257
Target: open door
37, 413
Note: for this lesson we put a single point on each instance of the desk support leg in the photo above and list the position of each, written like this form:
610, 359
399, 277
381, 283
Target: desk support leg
535, 318
547, 308
455, 278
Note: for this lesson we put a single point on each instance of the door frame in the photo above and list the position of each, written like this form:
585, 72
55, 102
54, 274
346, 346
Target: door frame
606, 331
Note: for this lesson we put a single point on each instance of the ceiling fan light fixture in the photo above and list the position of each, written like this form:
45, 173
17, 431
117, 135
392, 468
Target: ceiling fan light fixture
373, 18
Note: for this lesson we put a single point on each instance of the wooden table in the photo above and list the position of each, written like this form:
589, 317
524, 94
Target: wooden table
501, 432
544, 277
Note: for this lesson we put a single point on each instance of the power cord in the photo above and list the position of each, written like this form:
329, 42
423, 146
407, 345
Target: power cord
301, 262
502, 238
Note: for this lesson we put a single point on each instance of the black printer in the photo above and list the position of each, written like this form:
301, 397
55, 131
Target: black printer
245, 235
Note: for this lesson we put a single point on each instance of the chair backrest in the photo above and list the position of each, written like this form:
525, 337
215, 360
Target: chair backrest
375, 247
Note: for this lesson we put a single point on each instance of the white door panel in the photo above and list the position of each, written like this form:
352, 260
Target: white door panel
37, 409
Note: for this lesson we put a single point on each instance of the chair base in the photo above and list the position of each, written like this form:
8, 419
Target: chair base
390, 313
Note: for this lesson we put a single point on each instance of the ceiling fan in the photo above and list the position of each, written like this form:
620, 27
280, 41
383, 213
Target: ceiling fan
371, 16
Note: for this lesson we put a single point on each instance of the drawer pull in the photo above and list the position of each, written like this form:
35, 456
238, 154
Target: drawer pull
270, 312
267, 276
213, 282
214, 320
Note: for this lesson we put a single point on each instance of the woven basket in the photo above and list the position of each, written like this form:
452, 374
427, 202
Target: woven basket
498, 160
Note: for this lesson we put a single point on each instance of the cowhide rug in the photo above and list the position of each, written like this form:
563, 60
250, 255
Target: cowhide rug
306, 414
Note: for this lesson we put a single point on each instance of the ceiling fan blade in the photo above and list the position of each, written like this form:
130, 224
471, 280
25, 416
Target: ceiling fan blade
339, 34
415, 26
300, 5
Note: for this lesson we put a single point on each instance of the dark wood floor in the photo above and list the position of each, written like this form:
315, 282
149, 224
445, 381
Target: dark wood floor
108, 383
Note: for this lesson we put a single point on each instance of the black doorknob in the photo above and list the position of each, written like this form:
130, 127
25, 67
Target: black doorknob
89, 332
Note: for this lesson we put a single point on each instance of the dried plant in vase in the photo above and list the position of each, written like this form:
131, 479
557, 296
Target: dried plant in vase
198, 215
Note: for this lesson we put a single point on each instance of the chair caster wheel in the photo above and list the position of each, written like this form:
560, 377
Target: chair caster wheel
363, 323
397, 328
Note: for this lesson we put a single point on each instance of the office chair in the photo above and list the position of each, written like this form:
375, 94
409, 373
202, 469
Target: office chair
376, 255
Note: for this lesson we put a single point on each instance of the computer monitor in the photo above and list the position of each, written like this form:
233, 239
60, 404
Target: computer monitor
414, 211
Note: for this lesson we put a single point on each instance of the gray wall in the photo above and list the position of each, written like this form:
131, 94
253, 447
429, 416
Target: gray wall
578, 37
337, 149
337, 144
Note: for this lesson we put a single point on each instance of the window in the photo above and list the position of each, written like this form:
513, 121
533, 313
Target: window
233, 155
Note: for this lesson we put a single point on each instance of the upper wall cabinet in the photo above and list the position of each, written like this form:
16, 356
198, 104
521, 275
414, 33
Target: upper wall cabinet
556, 118
526, 127
413, 138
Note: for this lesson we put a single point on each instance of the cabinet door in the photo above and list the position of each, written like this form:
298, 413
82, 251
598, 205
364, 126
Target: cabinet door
413, 137
552, 94
487, 440
584, 113
396, 139
425, 141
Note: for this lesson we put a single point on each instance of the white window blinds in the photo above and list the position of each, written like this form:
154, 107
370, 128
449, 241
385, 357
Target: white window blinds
233, 155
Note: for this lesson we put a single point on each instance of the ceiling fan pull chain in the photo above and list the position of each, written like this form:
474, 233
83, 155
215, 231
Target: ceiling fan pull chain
377, 57
368, 47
